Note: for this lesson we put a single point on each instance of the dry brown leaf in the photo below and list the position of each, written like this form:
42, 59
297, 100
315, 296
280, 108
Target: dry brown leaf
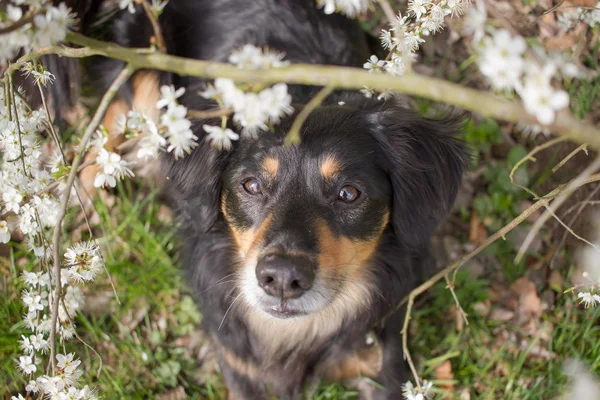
458, 318
176, 394
556, 281
501, 315
529, 304
584, 3
477, 232
444, 373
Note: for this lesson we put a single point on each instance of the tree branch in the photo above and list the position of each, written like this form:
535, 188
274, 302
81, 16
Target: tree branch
91, 128
480, 102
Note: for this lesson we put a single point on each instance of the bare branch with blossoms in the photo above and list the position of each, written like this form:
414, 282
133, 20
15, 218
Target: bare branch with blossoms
480, 102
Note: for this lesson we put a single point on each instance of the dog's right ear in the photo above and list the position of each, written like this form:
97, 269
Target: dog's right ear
193, 183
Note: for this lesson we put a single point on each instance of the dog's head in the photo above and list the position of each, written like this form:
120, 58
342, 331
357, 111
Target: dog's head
307, 221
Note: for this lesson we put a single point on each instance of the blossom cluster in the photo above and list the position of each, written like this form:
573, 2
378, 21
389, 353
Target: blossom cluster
351, 8
407, 33
512, 67
588, 260
83, 264
252, 110
172, 134
27, 204
571, 16
23, 177
504, 61
48, 25
410, 392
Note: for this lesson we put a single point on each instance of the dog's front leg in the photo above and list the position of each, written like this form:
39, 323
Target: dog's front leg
394, 371
241, 379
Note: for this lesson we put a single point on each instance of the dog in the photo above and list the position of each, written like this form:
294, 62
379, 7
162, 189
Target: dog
299, 255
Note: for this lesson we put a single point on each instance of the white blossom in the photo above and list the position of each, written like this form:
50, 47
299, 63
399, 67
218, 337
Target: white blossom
374, 64
31, 278
4, 232
51, 27
169, 96
32, 300
351, 8
26, 365
252, 57
32, 387
25, 345
410, 392
543, 101
502, 62
418, 7
113, 167
174, 119
127, 4
276, 101
39, 343
475, 21
84, 262
181, 142
151, 144
219, 137
12, 199
589, 299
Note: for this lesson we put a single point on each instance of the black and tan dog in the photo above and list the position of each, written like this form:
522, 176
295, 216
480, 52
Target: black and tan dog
297, 254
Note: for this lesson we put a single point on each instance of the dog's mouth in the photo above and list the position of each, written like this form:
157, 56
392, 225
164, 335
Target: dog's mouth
283, 310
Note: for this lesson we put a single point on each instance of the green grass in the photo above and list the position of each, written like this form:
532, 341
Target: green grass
143, 341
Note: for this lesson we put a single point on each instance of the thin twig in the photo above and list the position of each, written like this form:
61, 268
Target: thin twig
583, 147
11, 93
20, 23
213, 113
293, 137
387, 10
566, 191
62, 301
123, 76
160, 40
528, 157
583, 204
450, 286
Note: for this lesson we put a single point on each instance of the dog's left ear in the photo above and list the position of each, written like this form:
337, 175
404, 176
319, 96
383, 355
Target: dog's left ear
425, 163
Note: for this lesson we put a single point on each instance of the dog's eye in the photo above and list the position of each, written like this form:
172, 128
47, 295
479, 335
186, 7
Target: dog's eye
348, 194
252, 186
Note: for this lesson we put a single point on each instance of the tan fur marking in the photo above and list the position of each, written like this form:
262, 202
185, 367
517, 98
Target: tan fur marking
243, 367
330, 166
146, 92
367, 361
271, 165
342, 255
113, 112
247, 240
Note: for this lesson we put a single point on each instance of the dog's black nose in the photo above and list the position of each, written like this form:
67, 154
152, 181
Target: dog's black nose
287, 277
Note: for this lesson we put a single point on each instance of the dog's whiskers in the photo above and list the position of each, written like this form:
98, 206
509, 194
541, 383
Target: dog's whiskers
227, 312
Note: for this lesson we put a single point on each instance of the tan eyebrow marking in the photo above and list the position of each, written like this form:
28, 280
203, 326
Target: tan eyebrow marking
330, 166
271, 165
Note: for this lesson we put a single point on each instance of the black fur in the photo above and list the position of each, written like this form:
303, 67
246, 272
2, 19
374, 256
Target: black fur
409, 165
